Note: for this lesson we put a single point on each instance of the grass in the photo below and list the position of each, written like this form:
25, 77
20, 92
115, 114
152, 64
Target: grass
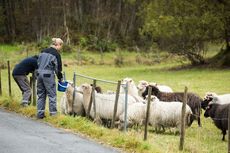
199, 80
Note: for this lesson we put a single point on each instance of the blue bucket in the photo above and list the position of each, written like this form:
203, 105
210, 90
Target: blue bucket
62, 86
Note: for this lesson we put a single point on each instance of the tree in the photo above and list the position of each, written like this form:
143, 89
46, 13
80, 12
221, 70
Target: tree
183, 27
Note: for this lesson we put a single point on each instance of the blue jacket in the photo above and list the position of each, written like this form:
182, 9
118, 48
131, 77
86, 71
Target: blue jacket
26, 66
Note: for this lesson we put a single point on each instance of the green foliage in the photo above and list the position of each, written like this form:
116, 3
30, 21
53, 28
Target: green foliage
182, 27
119, 59
45, 42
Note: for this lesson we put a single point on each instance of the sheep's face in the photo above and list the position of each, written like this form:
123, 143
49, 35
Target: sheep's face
86, 88
205, 102
126, 80
155, 91
142, 85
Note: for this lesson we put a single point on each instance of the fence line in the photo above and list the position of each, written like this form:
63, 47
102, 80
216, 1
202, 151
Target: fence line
91, 78
92, 99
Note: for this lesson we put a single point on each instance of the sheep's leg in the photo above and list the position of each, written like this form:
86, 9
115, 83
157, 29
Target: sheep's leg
224, 133
198, 118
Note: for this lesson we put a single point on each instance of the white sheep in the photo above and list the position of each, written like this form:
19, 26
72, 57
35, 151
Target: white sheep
63, 104
167, 114
143, 84
212, 97
132, 89
67, 105
104, 103
136, 113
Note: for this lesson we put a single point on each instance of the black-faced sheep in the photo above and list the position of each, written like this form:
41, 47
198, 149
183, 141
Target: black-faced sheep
193, 100
214, 98
219, 114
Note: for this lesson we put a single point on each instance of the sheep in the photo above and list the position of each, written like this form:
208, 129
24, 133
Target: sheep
66, 102
143, 84
219, 115
214, 98
163, 114
77, 107
193, 100
136, 113
132, 89
63, 104
104, 103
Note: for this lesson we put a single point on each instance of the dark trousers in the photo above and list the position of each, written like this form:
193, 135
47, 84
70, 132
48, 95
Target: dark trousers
24, 85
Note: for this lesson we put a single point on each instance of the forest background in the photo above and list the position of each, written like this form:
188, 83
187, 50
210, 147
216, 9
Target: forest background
180, 27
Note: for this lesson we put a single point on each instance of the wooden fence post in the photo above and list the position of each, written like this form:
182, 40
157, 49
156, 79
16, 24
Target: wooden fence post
74, 91
182, 131
34, 88
91, 100
31, 87
9, 78
147, 113
0, 82
115, 104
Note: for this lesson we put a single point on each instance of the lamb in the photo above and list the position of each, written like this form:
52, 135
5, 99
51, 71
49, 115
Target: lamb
143, 84
104, 103
193, 100
214, 98
132, 89
219, 114
163, 114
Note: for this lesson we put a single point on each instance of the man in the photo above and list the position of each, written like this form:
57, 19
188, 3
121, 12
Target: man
20, 72
49, 64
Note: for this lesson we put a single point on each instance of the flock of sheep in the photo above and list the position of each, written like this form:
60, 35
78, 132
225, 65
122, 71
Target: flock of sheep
165, 106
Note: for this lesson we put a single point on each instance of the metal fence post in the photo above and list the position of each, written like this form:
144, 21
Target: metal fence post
126, 105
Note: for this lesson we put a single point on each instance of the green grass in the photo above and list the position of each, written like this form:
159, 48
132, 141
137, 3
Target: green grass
199, 80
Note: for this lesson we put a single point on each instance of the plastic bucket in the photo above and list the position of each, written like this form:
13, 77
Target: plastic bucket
62, 86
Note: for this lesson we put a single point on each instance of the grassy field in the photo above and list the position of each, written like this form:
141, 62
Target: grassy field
205, 139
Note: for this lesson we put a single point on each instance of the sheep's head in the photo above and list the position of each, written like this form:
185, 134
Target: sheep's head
155, 91
85, 88
127, 80
142, 85
209, 98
